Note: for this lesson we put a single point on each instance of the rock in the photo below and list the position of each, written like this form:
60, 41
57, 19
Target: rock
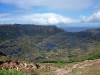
24, 67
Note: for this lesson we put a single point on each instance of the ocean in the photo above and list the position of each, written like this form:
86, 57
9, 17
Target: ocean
77, 29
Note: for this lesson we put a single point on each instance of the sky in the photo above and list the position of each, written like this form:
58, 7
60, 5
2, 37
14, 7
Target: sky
62, 13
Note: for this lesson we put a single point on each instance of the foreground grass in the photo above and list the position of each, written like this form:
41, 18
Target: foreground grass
10, 72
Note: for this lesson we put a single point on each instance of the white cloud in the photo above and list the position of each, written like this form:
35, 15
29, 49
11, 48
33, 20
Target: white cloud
51, 4
46, 18
49, 18
94, 18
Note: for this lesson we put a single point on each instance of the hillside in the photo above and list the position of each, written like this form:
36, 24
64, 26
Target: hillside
49, 46
88, 67
11, 31
55, 51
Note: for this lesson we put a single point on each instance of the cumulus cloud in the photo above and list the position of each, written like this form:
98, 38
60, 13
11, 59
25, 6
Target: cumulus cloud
49, 18
94, 18
52, 18
51, 4
46, 18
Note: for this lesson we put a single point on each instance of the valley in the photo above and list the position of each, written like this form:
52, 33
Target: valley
51, 47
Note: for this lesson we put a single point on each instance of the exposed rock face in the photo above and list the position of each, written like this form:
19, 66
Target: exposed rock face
24, 67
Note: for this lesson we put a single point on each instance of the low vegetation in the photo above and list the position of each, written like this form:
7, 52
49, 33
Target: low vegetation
11, 72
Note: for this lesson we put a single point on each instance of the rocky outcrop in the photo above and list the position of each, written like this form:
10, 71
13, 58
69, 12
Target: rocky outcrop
19, 66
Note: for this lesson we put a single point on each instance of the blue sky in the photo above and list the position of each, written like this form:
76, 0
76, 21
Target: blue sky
63, 13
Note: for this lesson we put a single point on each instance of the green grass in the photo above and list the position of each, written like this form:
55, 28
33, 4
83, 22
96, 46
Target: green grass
10, 72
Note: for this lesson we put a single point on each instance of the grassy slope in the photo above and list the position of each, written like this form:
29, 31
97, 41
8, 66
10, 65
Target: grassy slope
33, 47
91, 67
87, 67
27, 49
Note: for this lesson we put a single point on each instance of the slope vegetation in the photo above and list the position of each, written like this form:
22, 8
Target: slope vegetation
44, 44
